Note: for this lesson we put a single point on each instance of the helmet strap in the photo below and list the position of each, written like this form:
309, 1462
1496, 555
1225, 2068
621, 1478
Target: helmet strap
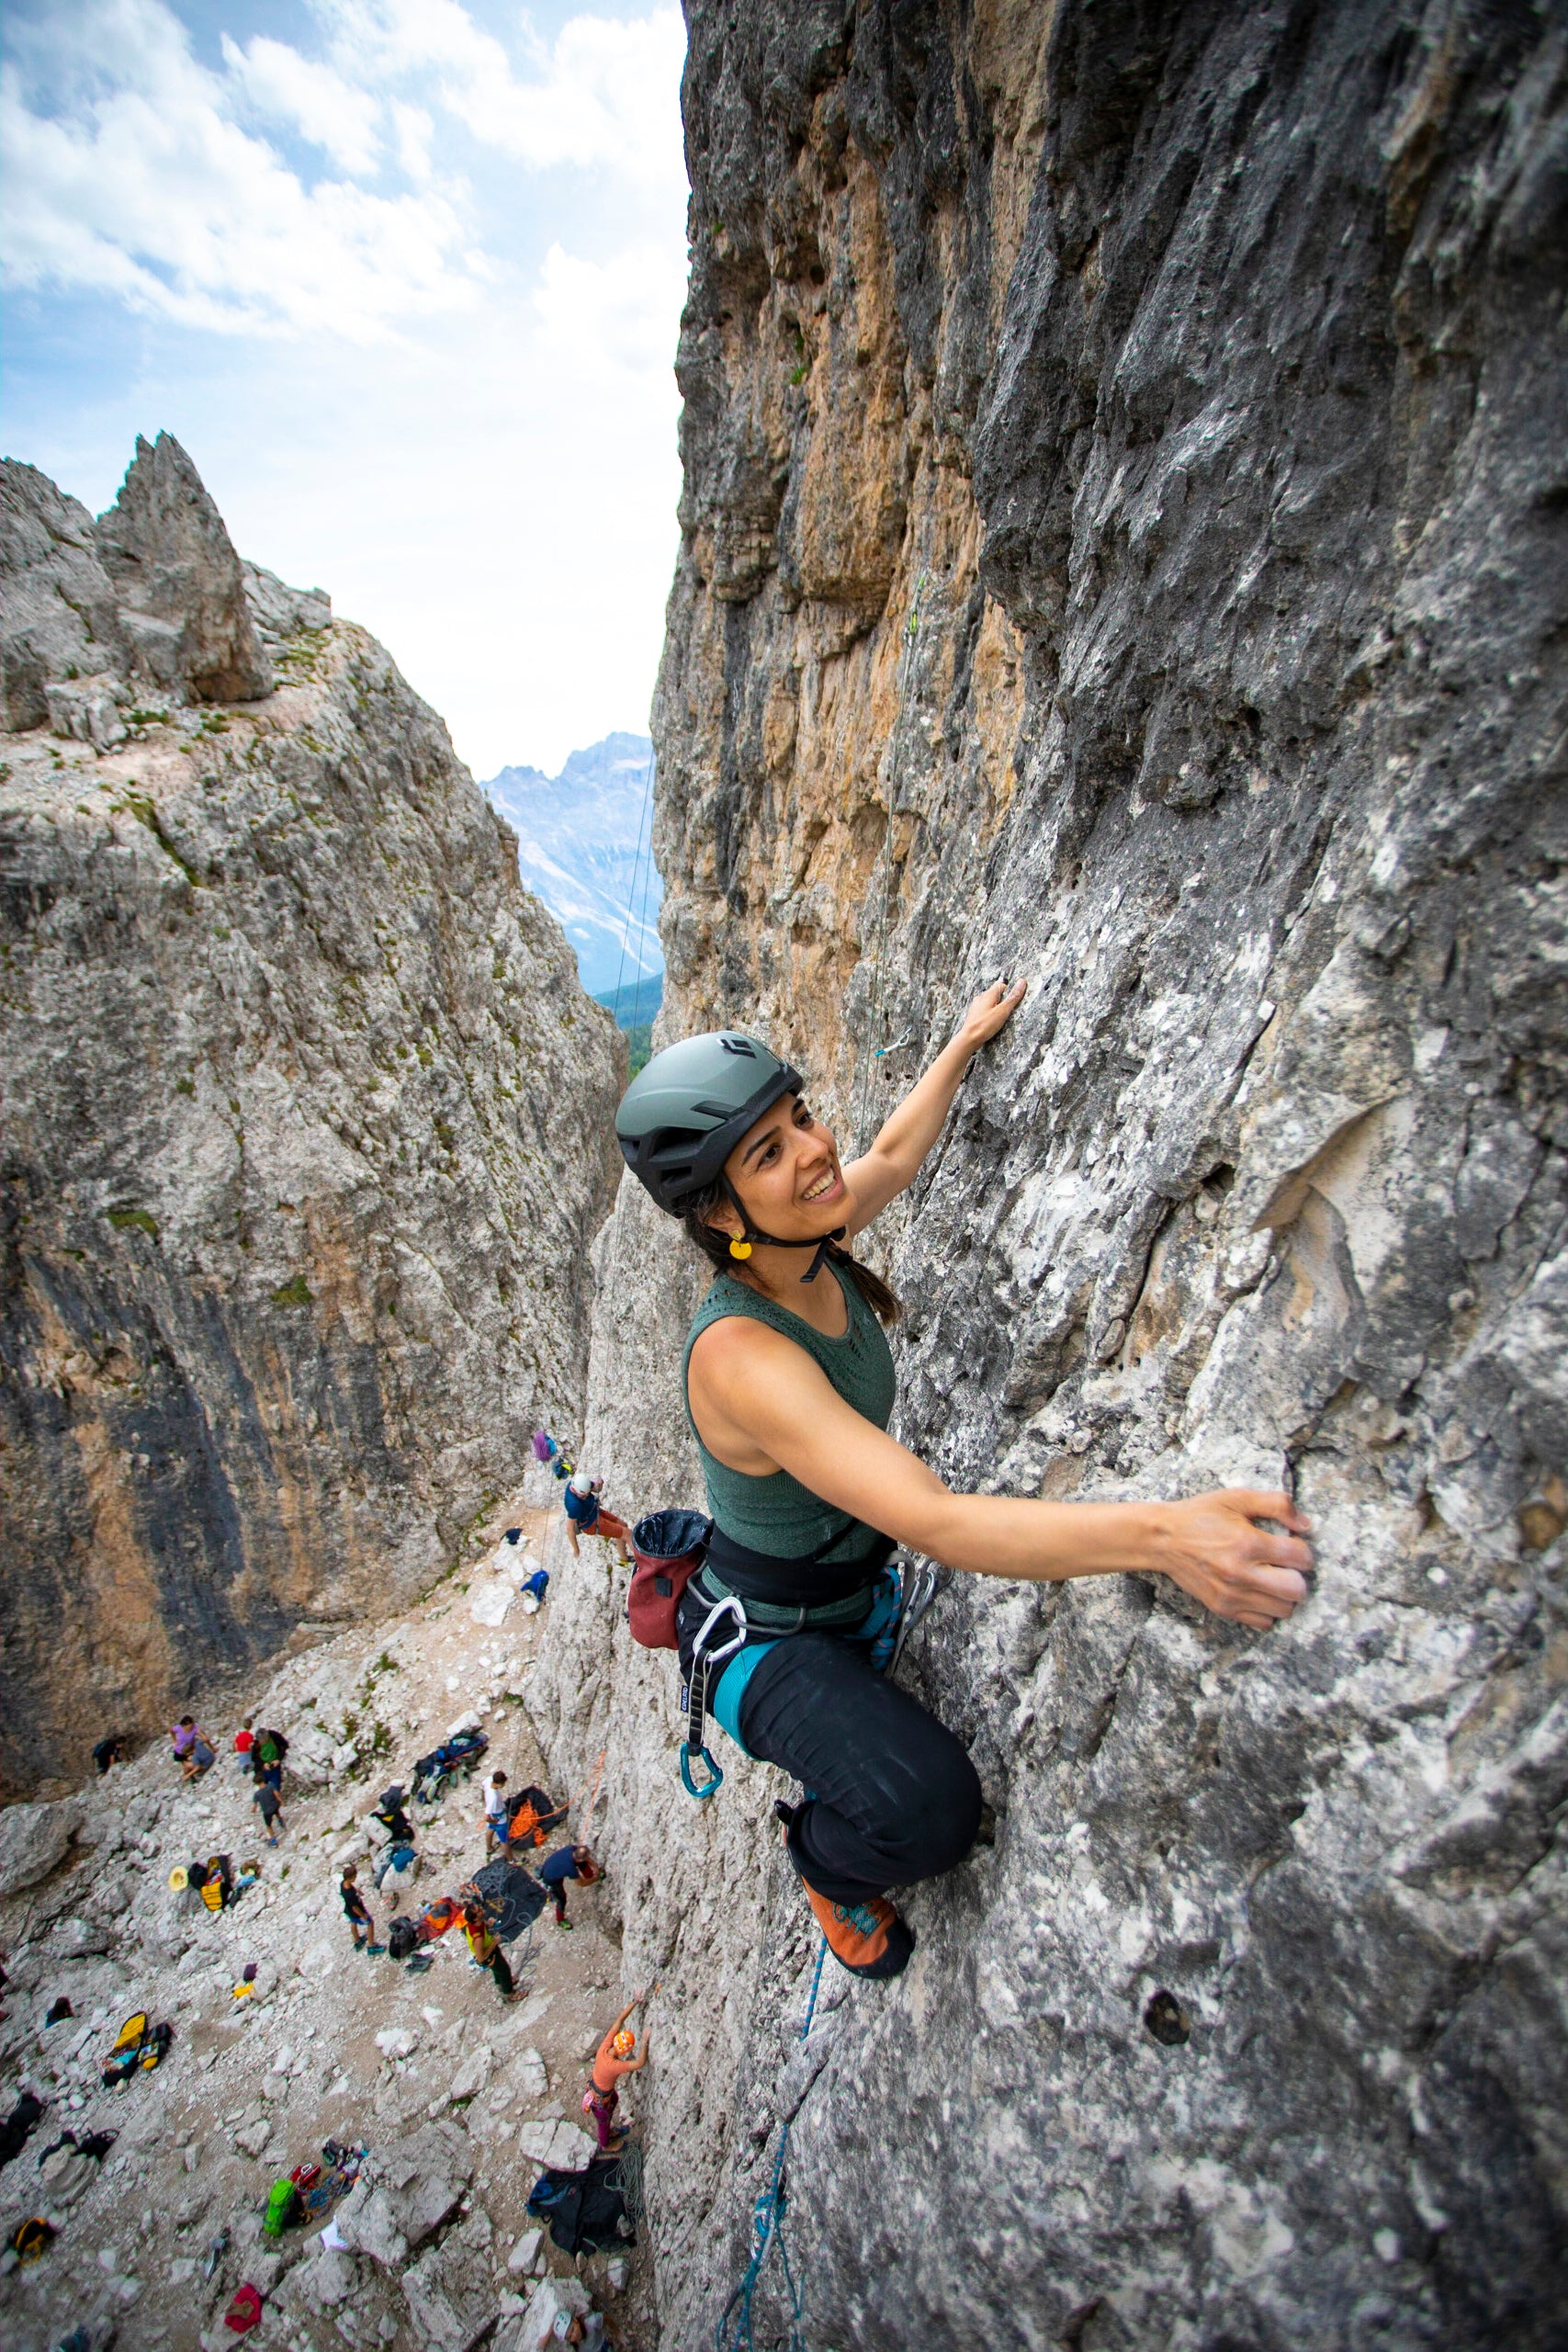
741, 1246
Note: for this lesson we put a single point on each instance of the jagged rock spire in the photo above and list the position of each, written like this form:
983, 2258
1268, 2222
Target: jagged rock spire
178, 581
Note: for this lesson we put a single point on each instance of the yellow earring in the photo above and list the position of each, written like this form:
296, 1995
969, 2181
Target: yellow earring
741, 1248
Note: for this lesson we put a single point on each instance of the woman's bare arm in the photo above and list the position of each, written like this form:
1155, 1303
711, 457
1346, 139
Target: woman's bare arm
748, 1379
903, 1140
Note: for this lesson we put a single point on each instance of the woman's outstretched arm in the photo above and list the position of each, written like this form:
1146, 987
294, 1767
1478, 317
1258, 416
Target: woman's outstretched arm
903, 1140
750, 1382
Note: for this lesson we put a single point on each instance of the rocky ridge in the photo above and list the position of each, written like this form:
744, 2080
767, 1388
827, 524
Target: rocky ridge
1122, 547
304, 1124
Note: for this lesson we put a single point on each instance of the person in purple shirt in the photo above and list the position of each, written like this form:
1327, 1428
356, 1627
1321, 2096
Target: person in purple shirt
193, 1752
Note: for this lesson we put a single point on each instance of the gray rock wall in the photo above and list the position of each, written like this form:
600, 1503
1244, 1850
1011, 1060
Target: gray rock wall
1123, 547
152, 596
304, 1122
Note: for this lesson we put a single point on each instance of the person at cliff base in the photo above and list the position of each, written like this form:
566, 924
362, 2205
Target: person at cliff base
267, 1753
484, 1948
269, 1804
357, 1912
617, 2054
393, 1818
193, 1750
498, 1808
244, 1741
586, 1515
567, 1861
790, 1386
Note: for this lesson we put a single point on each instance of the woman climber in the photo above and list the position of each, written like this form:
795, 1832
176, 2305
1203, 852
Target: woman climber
789, 1391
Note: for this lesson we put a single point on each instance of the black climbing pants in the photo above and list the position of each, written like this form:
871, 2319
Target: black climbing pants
892, 1795
501, 1969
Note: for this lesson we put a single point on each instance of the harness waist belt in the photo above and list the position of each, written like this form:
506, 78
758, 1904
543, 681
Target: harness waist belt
806, 1581
776, 1617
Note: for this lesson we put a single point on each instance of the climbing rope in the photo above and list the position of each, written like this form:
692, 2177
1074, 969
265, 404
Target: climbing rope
584, 1823
733, 2333
911, 631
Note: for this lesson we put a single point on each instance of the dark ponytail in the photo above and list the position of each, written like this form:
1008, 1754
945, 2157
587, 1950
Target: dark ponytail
714, 1247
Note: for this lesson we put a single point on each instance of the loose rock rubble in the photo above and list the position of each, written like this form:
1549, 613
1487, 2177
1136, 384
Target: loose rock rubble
457, 2098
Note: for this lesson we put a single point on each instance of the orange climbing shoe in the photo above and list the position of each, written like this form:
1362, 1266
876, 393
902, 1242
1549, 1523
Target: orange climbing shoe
868, 1938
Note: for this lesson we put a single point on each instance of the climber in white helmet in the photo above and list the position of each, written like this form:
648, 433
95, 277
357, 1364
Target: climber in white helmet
789, 1391
586, 1515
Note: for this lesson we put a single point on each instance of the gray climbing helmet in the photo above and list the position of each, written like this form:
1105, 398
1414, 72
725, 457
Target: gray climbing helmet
682, 1115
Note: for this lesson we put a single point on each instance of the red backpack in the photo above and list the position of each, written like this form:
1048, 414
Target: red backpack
669, 1547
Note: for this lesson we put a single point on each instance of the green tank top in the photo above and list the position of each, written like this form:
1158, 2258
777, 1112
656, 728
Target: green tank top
776, 1514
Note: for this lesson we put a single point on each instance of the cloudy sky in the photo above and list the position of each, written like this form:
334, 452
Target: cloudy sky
404, 277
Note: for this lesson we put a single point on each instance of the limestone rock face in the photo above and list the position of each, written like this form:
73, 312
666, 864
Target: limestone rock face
33, 1840
305, 1120
182, 594
59, 618
1124, 548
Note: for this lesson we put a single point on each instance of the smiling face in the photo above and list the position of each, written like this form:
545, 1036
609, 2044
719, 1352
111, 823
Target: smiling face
787, 1175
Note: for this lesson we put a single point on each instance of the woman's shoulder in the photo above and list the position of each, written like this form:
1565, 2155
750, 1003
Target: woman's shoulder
735, 1333
737, 1305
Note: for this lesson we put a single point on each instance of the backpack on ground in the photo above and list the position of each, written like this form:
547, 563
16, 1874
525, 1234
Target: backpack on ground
283, 2208
669, 1547
30, 2238
402, 1939
22, 2120
244, 2311
584, 2211
460, 1754
137, 2045
217, 1884
436, 1917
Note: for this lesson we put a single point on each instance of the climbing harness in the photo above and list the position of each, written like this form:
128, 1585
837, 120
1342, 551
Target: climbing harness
733, 2333
694, 1697
883, 1615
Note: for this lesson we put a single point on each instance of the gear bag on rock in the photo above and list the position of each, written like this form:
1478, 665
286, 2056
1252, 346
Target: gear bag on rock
531, 1823
511, 1898
669, 1547
585, 2211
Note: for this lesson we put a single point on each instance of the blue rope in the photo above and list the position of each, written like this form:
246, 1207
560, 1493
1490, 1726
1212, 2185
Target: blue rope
733, 2333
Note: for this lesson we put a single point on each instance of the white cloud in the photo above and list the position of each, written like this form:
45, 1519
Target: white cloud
151, 190
434, 285
601, 95
611, 315
310, 98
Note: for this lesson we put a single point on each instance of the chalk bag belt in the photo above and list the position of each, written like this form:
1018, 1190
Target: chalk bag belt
707, 1654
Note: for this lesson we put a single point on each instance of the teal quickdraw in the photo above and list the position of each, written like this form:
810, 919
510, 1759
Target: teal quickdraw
703, 1661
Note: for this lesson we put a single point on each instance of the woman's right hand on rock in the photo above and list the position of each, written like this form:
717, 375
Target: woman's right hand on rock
1213, 1548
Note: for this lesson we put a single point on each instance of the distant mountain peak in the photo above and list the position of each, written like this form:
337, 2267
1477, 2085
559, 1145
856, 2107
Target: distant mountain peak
583, 848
